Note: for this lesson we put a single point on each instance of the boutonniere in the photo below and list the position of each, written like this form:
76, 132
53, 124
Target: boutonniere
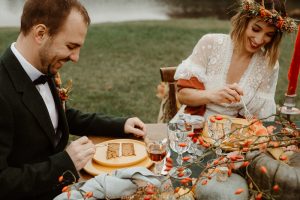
63, 92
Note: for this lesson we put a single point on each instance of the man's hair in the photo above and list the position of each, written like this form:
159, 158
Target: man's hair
51, 13
239, 25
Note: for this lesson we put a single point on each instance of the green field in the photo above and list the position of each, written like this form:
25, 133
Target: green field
118, 70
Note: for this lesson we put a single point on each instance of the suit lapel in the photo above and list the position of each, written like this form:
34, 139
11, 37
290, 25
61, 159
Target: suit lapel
63, 129
30, 95
61, 113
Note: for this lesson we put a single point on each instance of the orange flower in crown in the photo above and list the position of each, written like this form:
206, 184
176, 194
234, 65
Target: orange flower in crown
282, 23
264, 12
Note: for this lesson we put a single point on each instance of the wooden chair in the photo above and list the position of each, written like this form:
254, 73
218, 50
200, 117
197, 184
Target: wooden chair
169, 105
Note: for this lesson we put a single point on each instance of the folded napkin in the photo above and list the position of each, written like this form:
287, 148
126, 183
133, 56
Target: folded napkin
120, 183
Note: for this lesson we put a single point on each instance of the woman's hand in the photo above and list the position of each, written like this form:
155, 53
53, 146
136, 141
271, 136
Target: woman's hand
228, 94
135, 126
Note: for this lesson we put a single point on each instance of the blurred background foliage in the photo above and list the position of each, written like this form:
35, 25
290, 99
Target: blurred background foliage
222, 9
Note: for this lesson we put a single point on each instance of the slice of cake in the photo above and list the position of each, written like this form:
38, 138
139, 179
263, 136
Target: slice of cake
128, 149
112, 150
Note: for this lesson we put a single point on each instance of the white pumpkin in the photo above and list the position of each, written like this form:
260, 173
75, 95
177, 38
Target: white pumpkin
215, 189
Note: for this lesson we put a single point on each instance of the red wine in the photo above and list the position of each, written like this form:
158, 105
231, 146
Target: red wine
198, 130
156, 152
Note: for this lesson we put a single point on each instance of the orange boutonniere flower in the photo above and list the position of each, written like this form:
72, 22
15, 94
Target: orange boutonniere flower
63, 92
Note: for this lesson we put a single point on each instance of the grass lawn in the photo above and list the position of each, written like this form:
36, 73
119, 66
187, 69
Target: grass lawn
118, 70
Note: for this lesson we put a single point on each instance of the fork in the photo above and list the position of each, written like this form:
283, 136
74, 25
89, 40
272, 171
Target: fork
248, 115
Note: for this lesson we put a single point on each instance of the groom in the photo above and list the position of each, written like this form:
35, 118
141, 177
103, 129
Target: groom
34, 127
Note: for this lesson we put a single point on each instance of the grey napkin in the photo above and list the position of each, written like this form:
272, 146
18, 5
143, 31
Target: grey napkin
120, 183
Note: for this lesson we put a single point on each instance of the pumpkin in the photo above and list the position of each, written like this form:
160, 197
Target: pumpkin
286, 176
215, 189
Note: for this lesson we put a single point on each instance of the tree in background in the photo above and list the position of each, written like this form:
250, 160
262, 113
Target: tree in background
222, 9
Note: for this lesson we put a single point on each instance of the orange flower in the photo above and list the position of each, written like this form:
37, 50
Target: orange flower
262, 11
280, 22
268, 13
191, 134
180, 169
245, 164
88, 195
181, 174
229, 172
263, 169
283, 157
147, 197
186, 158
184, 181
276, 188
239, 191
218, 117
65, 189
60, 179
169, 160
195, 140
169, 164
258, 196
168, 169
204, 182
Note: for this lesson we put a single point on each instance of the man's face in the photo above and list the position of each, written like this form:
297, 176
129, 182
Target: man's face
63, 46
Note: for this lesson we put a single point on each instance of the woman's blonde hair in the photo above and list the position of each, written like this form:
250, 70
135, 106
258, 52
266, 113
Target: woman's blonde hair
239, 23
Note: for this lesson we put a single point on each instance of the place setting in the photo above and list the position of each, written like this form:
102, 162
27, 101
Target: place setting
118, 154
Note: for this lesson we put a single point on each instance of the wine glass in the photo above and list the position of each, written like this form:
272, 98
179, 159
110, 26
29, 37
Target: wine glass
157, 146
197, 123
219, 130
180, 143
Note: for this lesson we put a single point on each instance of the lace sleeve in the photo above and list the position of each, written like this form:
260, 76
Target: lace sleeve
195, 64
263, 104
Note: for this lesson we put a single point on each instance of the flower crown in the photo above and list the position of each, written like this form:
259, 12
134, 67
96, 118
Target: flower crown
271, 17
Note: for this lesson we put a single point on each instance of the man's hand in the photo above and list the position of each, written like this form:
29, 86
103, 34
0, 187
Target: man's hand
135, 126
81, 151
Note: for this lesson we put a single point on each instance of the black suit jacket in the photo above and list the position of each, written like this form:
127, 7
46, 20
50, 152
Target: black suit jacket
30, 158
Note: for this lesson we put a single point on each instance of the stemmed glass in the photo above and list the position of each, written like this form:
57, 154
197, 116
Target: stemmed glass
218, 130
180, 143
157, 146
194, 124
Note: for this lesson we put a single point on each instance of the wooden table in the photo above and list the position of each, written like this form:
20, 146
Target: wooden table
151, 128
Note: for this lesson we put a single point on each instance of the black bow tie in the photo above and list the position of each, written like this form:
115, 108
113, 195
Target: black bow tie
42, 79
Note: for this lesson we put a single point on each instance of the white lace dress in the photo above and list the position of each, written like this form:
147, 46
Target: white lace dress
209, 63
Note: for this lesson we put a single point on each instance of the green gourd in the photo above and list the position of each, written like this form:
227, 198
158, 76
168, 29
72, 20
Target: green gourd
287, 176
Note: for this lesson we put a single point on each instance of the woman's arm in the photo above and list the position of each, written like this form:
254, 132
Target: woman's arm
194, 97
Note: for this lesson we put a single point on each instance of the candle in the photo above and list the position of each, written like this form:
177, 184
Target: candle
294, 67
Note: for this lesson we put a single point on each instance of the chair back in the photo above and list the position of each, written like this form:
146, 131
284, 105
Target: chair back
169, 107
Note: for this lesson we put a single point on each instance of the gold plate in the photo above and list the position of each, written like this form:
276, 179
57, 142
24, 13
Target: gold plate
122, 161
95, 169
236, 124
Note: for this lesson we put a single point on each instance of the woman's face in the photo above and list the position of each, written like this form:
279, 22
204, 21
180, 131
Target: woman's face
258, 33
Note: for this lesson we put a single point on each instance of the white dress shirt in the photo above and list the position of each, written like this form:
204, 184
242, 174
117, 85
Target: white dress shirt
43, 89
